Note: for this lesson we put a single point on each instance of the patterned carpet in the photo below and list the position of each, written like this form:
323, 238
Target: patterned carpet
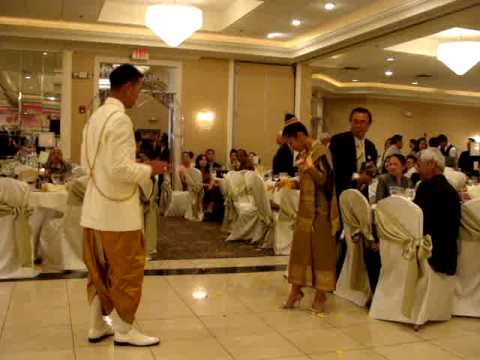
182, 239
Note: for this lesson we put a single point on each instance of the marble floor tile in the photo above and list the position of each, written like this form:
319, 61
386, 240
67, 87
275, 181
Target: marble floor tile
380, 334
176, 329
39, 355
415, 351
254, 347
466, 346
114, 353
235, 325
294, 320
322, 340
36, 339
349, 355
204, 349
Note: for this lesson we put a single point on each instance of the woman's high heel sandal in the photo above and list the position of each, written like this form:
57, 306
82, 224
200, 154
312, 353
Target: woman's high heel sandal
319, 307
294, 301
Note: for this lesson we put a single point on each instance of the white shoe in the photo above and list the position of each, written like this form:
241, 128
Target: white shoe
135, 338
96, 335
99, 329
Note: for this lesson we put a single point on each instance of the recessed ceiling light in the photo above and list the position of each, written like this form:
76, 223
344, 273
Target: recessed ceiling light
414, 82
330, 6
389, 73
45, 53
390, 59
296, 22
28, 77
354, 80
274, 35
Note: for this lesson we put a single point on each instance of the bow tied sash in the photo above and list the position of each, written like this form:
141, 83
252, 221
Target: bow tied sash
22, 232
415, 250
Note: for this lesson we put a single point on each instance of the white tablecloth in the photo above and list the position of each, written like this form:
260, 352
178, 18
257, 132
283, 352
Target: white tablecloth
55, 200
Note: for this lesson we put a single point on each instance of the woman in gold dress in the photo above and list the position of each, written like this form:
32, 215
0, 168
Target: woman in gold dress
313, 254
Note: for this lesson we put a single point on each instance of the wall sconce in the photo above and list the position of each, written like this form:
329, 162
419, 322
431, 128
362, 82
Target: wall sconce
205, 119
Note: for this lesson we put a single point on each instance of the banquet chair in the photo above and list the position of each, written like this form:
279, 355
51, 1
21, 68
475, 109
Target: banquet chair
16, 249
353, 283
151, 213
467, 291
188, 204
252, 219
288, 201
61, 238
408, 291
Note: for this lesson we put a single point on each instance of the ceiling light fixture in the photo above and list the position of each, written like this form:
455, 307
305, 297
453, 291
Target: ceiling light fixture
45, 53
390, 59
354, 80
173, 23
296, 22
274, 35
459, 56
389, 73
28, 77
414, 82
330, 6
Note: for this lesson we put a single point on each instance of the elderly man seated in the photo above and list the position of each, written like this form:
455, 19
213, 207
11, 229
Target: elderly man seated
440, 203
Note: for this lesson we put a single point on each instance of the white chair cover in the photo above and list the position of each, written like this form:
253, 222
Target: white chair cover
253, 218
151, 214
467, 291
408, 290
353, 283
288, 201
16, 249
189, 203
62, 238
195, 195
456, 178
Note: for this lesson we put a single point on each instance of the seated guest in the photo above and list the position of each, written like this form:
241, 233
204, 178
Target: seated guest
141, 150
244, 161
213, 204
441, 211
283, 159
412, 172
211, 164
395, 166
233, 164
56, 165
396, 145
254, 158
186, 164
434, 143
414, 149
456, 178
422, 145
381, 159
466, 162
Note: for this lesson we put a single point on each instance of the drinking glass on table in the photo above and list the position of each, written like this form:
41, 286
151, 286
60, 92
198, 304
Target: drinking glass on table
396, 190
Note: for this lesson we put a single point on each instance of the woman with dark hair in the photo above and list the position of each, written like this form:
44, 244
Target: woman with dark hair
414, 148
394, 178
422, 145
313, 254
56, 165
244, 160
213, 206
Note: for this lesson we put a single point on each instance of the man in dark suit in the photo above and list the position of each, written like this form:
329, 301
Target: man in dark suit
349, 151
283, 159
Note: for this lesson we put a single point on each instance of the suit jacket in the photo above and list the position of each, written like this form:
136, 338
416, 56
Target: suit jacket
344, 157
117, 174
440, 204
283, 161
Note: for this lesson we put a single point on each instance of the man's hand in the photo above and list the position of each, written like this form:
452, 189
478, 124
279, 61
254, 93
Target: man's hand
158, 167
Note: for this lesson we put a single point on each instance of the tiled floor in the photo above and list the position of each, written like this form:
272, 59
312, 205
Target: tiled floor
241, 319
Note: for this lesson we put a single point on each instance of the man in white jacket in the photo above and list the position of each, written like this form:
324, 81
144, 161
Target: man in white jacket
112, 216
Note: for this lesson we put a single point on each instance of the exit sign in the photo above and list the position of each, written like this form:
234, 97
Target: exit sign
140, 54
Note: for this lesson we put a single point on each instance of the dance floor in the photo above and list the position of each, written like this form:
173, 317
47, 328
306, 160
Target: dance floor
240, 318
182, 239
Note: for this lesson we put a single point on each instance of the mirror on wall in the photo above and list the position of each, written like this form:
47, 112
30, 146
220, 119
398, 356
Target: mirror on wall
30, 99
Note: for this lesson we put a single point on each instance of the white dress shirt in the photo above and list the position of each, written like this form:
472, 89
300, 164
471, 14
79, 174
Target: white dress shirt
360, 152
116, 172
